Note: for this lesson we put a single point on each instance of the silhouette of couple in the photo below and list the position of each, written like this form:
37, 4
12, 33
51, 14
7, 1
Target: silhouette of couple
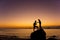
35, 23
39, 34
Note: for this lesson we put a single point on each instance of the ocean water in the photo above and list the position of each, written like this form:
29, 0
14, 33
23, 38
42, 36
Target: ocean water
25, 33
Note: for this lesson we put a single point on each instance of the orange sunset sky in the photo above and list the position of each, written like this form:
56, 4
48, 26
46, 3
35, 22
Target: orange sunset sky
24, 12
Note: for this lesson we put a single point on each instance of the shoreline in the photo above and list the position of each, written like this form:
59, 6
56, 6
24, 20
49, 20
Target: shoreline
7, 37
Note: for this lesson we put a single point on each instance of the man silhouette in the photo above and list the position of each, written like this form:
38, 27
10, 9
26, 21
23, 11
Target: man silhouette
34, 25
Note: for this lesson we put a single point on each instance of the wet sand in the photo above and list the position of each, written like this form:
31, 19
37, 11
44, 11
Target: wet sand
6, 37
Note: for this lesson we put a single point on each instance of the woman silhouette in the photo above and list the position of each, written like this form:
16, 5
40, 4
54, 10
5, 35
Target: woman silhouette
39, 23
42, 32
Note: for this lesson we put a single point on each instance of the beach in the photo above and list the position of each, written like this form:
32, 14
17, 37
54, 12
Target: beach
24, 34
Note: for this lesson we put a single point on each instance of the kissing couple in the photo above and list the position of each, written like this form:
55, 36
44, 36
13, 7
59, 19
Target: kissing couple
35, 23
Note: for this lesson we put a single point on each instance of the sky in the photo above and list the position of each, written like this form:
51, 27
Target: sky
25, 12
